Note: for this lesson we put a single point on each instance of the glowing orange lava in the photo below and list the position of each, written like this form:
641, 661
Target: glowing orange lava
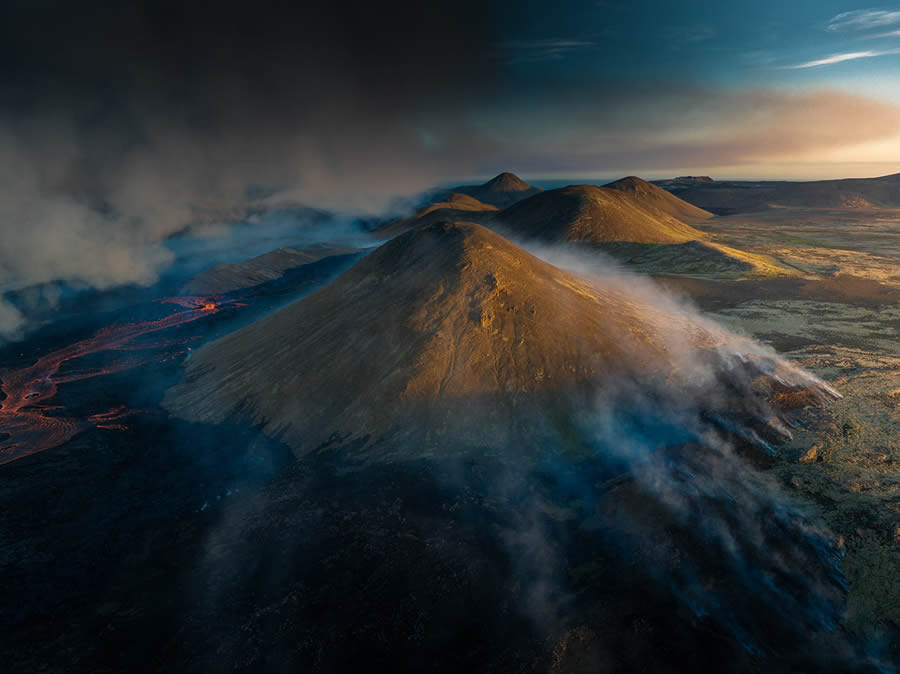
23, 413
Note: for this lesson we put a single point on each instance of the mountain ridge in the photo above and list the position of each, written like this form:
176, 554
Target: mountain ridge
650, 194
588, 213
739, 196
450, 321
453, 206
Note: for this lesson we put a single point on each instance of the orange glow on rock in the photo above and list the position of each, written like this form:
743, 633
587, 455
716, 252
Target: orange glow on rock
24, 411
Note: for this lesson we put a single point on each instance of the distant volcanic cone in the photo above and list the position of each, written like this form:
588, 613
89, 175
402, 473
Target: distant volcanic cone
501, 190
449, 335
586, 213
636, 222
651, 195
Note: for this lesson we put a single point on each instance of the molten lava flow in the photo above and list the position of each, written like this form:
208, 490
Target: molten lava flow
23, 413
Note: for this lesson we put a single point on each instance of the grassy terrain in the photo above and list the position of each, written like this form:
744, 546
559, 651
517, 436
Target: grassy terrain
841, 320
846, 459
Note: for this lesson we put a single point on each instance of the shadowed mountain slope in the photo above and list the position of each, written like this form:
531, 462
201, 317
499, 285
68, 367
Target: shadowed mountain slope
587, 213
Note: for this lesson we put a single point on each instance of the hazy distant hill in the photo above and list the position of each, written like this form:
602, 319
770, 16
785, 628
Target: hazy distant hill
587, 213
500, 191
231, 276
726, 197
684, 181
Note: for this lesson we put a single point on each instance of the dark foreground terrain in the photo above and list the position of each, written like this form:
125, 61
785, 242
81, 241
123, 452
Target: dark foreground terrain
176, 546
331, 567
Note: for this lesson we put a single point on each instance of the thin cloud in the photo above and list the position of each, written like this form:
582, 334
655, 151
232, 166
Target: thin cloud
544, 49
759, 57
863, 19
890, 33
841, 58
692, 34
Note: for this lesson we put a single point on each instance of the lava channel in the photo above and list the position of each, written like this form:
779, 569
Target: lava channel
24, 411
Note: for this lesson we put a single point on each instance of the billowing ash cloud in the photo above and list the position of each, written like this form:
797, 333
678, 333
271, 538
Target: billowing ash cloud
120, 123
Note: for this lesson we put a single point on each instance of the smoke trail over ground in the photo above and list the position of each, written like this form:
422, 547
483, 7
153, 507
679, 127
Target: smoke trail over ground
664, 476
632, 490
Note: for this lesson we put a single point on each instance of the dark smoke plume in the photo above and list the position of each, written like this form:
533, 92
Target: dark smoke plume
121, 123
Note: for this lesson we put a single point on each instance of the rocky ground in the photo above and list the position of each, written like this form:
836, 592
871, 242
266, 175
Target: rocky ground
842, 322
846, 459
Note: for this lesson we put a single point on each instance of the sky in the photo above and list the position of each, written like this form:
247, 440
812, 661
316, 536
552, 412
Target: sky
766, 89
121, 122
